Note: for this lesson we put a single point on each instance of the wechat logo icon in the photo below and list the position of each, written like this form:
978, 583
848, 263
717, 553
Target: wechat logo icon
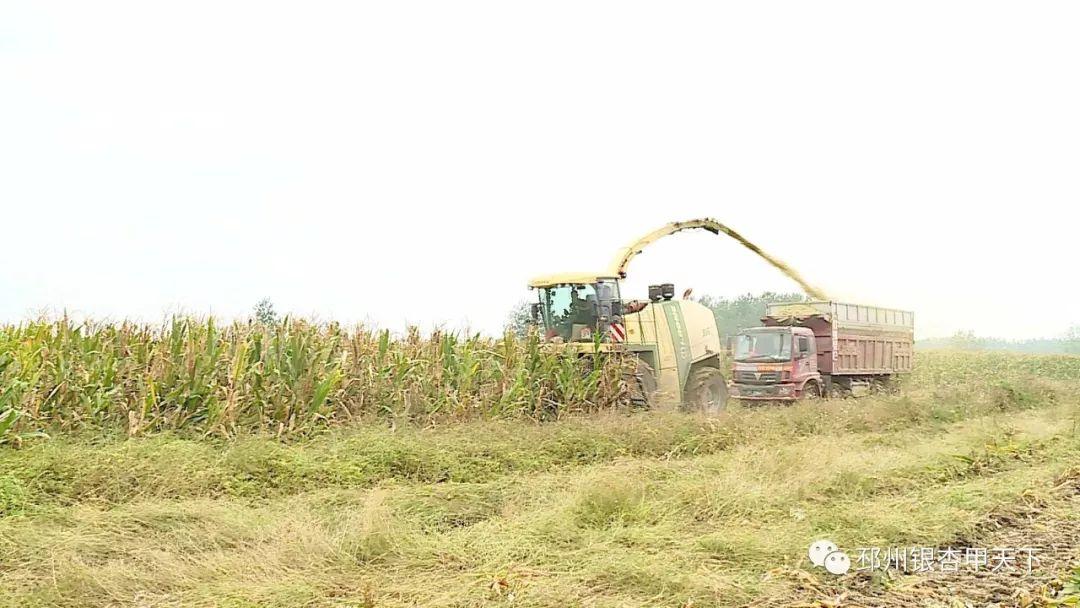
824, 554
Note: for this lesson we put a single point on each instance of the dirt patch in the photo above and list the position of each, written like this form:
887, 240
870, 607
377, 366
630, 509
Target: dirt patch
1053, 530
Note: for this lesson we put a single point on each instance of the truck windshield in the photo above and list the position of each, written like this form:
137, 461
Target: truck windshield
572, 312
763, 346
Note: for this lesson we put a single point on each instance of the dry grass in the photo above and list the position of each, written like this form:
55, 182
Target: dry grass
654, 509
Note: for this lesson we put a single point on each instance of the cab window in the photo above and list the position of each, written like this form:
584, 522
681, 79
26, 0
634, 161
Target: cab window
804, 346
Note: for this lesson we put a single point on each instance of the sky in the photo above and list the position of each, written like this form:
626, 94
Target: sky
413, 162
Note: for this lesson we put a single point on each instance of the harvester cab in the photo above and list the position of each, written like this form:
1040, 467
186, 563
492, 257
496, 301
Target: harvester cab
575, 312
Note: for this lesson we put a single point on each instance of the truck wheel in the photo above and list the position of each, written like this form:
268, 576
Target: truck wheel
840, 390
812, 390
886, 385
706, 391
642, 385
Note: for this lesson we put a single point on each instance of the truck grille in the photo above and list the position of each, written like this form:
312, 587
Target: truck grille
757, 377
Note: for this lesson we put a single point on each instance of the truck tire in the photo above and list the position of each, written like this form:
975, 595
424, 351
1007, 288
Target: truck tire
812, 390
886, 385
642, 385
706, 391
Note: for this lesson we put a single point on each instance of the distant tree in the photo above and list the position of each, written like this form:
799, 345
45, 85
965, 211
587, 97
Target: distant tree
519, 319
264, 312
967, 340
1072, 340
744, 311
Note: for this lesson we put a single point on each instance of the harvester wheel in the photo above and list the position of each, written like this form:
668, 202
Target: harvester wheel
706, 391
642, 385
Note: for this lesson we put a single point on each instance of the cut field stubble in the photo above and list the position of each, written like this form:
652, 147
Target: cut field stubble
650, 509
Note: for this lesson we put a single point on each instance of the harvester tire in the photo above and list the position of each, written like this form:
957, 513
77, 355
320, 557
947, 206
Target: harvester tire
642, 385
706, 391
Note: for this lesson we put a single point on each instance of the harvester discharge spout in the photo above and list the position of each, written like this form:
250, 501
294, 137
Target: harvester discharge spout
624, 255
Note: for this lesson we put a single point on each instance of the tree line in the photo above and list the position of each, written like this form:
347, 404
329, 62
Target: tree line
1068, 344
740, 312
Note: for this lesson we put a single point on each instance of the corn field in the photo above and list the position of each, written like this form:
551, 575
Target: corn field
286, 377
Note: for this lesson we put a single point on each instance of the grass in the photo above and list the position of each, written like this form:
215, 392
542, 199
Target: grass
610, 509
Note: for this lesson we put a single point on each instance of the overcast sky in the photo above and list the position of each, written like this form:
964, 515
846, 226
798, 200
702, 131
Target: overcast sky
416, 162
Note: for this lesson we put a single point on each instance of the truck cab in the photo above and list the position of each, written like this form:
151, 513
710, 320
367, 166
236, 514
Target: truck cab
776, 364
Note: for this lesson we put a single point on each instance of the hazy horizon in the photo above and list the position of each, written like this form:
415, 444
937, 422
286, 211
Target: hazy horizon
418, 162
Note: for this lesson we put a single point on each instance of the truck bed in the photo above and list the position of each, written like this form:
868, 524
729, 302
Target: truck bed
852, 339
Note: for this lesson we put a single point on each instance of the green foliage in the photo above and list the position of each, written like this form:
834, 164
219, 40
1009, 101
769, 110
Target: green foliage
8, 432
7, 422
968, 341
612, 500
656, 508
945, 390
940, 370
1070, 592
285, 377
744, 311
13, 495
520, 320
264, 312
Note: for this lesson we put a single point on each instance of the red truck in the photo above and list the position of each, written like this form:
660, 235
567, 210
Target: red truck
814, 349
